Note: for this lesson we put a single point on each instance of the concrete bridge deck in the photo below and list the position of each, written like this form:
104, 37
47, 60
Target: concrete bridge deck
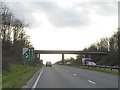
68, 52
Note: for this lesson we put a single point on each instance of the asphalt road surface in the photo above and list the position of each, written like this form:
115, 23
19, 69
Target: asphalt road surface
60, 76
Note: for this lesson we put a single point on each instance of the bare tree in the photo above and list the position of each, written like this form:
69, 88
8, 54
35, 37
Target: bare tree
13, 35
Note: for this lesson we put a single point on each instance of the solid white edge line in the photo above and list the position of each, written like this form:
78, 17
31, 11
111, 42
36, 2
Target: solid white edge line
35, 84
91, 82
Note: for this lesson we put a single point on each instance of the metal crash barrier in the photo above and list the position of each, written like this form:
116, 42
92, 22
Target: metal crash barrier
102, 66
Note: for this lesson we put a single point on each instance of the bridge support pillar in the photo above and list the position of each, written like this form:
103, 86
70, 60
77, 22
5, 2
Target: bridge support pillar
87, 56
62, 58
38, 56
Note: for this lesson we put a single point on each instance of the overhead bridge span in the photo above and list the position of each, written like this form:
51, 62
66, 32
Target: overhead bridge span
62, 52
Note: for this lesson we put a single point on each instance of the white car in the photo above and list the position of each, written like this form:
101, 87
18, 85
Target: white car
68, 63
91, 63
48, 63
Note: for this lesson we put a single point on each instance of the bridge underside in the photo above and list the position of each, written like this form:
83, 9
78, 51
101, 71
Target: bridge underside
68, 52
38, 52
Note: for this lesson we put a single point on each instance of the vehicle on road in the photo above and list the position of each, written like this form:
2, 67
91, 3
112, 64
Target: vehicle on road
86, 60
68, 63
91, 63
48, 63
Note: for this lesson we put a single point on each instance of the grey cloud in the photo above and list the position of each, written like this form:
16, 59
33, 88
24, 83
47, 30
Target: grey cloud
69, 17
101, 8
23, 11
107, 9
64, 17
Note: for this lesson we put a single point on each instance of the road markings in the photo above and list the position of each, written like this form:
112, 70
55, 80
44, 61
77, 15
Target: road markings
67, 71
75, 74
35, 84
91, 82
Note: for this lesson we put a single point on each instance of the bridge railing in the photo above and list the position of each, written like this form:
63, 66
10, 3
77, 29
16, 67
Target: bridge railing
102, 67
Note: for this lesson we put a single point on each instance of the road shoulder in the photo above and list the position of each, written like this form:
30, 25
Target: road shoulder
32, 80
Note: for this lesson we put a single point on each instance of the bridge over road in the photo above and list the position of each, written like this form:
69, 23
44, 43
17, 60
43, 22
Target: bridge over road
62, 52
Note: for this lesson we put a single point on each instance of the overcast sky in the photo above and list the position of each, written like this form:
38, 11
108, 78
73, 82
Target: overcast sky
66, 24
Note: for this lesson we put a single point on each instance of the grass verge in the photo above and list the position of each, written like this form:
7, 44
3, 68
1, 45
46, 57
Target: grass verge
0, 81
18, 75
114, 72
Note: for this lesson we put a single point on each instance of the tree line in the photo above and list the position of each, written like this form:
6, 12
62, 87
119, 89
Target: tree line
13, 36
109, 45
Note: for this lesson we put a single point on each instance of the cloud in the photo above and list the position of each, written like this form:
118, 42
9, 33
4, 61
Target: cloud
64, 16
100, 8
106, 9
24, 10
70, 17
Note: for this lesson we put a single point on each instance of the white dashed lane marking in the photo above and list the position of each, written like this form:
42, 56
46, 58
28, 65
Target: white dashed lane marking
91, 82
67, 71
75, 74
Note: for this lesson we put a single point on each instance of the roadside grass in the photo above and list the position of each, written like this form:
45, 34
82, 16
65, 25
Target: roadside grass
0, 81
114, 72
18, 75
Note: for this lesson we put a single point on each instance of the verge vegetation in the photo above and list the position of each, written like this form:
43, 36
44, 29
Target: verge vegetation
0, 81
18, 75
